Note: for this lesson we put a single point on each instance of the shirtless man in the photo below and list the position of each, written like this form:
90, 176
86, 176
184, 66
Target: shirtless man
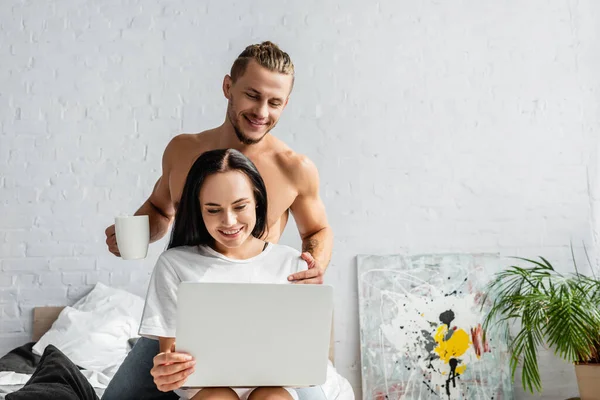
257, 90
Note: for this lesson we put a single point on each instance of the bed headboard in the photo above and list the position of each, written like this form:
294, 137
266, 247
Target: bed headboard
44, 317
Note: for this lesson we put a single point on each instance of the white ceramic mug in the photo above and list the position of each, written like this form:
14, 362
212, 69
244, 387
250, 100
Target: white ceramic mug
133, 236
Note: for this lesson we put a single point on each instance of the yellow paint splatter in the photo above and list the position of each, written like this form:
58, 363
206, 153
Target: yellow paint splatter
454, 347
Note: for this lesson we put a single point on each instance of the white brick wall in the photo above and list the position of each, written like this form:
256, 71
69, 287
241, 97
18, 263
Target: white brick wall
436, 126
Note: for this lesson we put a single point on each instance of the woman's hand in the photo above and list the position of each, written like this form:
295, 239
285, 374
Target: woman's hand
171, 369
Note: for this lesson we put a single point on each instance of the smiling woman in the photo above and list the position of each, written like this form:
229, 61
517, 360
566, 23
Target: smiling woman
228, 210
225, 197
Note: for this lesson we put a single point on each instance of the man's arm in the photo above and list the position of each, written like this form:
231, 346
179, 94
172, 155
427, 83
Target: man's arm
311, 219
159, 207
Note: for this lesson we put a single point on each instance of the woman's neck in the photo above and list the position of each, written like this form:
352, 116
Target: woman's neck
250, 248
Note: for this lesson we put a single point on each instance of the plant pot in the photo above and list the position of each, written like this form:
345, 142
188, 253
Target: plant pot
588, 380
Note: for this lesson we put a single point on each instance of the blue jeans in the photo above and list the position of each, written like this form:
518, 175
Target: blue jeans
133, 380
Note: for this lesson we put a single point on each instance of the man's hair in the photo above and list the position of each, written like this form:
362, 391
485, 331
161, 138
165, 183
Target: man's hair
268, 55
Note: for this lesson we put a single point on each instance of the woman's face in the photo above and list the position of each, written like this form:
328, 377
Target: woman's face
228, 208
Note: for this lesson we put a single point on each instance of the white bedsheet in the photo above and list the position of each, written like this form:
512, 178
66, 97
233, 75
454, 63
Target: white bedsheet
337, 387
97, 379
13, 378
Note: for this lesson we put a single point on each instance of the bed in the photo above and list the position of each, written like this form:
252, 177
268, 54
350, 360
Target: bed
43, 318
95, 334
98, 375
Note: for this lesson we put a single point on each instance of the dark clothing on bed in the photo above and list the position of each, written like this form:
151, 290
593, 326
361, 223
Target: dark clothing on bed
55, 378
21, 360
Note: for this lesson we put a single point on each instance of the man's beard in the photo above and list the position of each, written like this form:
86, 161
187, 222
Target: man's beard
242, 137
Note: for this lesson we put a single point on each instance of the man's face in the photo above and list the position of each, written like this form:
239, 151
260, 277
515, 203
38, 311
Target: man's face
256, 101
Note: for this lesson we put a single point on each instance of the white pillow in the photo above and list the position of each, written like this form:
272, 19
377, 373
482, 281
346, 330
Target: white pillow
104, 299
94, 332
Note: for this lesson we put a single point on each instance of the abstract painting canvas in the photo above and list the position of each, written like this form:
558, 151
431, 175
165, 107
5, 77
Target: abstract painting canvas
421, 329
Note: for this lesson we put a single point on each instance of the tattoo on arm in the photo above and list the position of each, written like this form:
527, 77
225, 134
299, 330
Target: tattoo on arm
309, 245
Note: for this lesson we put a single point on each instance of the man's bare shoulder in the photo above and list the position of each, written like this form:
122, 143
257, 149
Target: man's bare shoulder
189, 143
298, 167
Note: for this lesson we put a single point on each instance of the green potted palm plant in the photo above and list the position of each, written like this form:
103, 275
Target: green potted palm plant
537, 306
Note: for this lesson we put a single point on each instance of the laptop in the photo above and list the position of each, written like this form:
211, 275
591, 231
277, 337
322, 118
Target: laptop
250, 334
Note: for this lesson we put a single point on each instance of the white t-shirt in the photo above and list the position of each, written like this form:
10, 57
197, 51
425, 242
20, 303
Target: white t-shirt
202, 264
